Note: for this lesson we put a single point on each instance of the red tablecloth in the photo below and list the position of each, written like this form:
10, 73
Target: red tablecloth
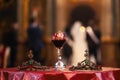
104, 74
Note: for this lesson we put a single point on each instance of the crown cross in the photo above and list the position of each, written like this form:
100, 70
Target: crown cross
86, 54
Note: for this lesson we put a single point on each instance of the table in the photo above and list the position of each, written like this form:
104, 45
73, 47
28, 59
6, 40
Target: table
105, 74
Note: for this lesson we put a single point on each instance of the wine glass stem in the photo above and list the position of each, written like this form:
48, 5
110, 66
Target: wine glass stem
59, 54
59, 64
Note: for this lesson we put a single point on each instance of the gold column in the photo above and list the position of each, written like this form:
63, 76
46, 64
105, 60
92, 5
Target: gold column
61, 14
106, 18
23, 7
25, 16
109, 40
50, 18
116, 30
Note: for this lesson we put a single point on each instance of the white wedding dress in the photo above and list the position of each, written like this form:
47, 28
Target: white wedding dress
79, 44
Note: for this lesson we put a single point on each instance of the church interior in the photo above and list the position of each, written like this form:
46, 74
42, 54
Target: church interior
54, 15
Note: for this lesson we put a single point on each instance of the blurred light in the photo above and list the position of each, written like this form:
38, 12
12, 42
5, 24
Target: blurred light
82, 28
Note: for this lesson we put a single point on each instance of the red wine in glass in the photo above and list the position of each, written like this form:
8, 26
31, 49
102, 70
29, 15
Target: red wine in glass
58, 43
58, 40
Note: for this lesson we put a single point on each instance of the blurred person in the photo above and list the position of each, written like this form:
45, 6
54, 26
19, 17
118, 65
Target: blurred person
94, 40
79, 43
4, 56
10, 39
35, 39
79, 39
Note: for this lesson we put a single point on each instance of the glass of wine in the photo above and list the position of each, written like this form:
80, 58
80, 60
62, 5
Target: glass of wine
58, 40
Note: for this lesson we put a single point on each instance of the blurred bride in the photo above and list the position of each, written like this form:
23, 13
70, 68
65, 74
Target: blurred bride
82, 34
79, 44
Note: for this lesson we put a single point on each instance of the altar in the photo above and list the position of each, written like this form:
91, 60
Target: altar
107, 73
85, 70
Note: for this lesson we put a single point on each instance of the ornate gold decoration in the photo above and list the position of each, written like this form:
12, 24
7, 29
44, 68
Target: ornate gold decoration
31, 64
86, 64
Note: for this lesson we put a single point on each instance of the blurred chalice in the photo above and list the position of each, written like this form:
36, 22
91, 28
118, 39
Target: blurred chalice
58, 40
